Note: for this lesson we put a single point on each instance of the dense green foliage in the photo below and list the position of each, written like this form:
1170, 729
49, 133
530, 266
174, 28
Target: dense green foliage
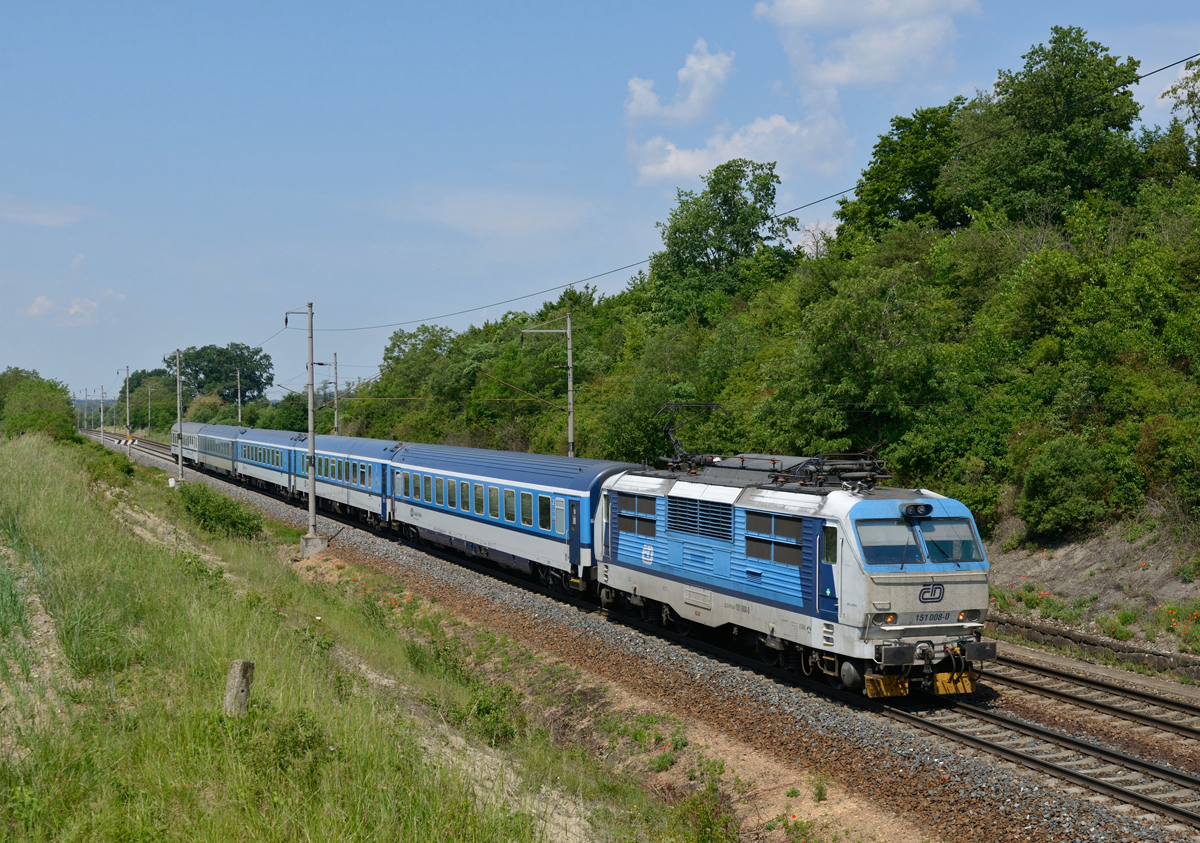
213, 370
219, 513
1009, 313
31, 404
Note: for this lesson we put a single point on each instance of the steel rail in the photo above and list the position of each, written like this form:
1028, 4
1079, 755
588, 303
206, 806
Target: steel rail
1102, 707
1100, 685
1023, 758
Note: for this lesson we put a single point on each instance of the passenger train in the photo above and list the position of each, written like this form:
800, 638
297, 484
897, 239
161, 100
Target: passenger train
807, 560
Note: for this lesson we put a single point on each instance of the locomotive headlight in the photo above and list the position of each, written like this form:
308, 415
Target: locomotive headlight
962, 616
918, 510
877, 618
890, 619
973, 614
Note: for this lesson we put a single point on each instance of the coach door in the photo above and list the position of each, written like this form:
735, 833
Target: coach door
573, 531
827, 568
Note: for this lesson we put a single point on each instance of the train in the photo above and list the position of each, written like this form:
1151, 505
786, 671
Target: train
811, 562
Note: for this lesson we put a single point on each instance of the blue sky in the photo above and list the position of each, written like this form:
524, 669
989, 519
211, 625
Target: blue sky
182, 174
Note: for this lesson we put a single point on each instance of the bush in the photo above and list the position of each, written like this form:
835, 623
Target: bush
39, 406
1065, 488
219, 513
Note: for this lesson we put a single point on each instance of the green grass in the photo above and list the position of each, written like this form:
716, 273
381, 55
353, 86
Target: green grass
139, 750
144, 753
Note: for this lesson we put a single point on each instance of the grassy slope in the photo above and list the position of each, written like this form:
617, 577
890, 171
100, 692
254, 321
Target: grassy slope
356, 687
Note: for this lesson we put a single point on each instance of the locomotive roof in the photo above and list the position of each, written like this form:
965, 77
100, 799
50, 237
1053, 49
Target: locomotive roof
529, 469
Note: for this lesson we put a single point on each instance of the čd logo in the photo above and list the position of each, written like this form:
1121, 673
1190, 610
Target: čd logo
932, 593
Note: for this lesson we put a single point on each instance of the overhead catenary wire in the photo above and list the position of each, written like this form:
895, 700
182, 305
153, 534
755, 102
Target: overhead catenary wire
780, 215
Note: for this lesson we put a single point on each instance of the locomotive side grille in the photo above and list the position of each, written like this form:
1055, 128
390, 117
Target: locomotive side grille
700, 518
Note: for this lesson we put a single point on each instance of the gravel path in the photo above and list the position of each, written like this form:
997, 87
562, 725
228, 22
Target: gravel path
930, 781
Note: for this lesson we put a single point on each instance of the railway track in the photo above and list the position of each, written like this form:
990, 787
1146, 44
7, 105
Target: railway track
1170, 793
1137, 706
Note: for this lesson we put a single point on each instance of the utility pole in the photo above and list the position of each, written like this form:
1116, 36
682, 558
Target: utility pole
310, 543
239, 373
179, 410
128, 429
87, 416
570, 374
101, 414
335, 391
148, 428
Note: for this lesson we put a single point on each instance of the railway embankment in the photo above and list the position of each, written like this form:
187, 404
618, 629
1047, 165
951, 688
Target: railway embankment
922, 782
1107, 650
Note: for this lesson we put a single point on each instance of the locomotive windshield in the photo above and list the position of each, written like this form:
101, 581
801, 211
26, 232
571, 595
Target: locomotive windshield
893, 541
888, 541
951, 540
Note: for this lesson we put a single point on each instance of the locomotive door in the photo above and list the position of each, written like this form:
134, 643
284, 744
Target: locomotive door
573, 531
827, 568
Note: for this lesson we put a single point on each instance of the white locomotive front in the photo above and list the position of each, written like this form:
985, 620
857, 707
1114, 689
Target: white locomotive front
823, 569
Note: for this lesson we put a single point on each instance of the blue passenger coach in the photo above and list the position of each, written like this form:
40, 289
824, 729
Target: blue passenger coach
530, 512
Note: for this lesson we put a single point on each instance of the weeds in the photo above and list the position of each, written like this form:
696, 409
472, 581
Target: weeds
219, 513
820, 786
12, 604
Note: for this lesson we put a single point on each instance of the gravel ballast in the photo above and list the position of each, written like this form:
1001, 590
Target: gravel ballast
931, 781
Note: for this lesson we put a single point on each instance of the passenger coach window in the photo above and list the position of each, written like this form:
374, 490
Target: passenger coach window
478, 499
545, 519
370, 474
527, 509
493, 502
428, 489
451, 498
440, 485
362, 474
510, 505
560, 516
354, 473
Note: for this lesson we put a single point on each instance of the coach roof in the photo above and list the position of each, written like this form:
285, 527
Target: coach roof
511, 466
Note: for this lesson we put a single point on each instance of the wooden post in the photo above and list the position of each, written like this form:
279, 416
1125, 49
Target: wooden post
237, 687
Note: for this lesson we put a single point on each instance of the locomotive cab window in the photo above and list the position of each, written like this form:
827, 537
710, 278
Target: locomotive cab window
888, 541
951, 540
527, 509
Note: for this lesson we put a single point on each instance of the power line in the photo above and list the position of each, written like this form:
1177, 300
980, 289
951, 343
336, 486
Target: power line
810, 204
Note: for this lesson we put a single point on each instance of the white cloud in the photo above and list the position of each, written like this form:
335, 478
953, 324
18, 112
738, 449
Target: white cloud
773, 138
874, 42
14, 209
83, 311
41, 305
110, 293
76, 261
700, 81
489, 213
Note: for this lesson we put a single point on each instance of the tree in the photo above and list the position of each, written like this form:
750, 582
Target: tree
35, 405
1052, 132
710, 234
1186, 93
11, 378
214, 370
901, 180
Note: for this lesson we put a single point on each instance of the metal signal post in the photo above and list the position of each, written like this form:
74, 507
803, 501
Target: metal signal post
179, 410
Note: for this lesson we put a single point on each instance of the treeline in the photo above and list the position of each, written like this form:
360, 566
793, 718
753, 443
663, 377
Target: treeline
1008, 313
